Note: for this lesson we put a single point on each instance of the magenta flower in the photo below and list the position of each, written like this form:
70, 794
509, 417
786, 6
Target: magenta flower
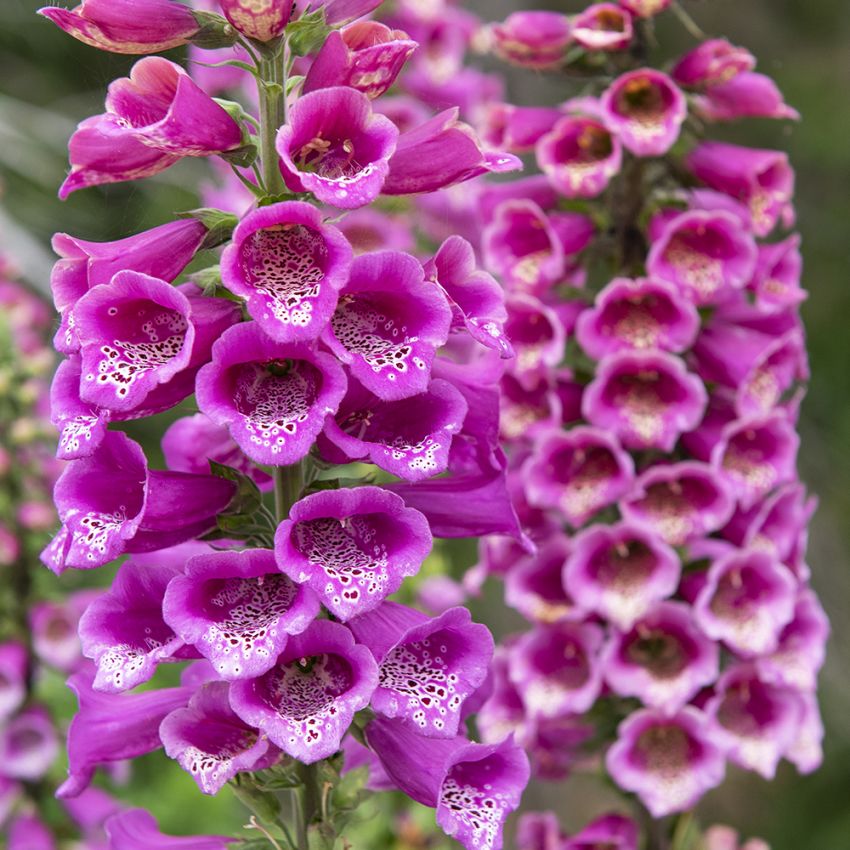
28, 744
532, 39
637, 314
28, 832
648, 399
366, 56
662, 658
336, 147
538, 338
389, 324
237, 610
126, 26
619, 572
747, 599
153, 118
352, 547
289, 266
755, 722
615, 832
136, 829
579, 472
209, 741
746, 95
806, 752
646, 110
261, 20
579, 156
442, 152
410, 438
603, 26
13, 675
679, 502
427, 668
711, 63
725, 838
668, 761
273, 397
343, 11
762, 180
369, 229
516, 128
306, 702
111, 503
776, 282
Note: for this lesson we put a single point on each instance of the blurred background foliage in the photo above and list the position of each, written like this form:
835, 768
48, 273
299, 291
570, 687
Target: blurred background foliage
48, 82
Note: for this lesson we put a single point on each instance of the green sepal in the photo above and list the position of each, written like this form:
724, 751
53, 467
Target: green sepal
219, 224
308, 33
242, 157
248, 498
215, 31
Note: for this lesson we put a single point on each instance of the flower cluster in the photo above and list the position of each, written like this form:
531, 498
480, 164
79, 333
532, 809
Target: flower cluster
306, 348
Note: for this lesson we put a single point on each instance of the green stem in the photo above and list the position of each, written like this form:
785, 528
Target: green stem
288, 483
272, 92
311, 800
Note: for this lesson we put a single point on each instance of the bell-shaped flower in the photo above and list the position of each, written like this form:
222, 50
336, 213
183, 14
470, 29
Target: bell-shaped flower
556, 668
579, 156
81, 425
339, 12
273, 397
746, 95
369, 229
526, 412
53, 625
747, 600
111, 503
153, 118
336, 147
237, 610
762, 180
307, 701
409, 438
537, 336
476, 299
776, 282
806, 752
679, 501
210, 742
614, 832
719, 837
645, 8
532, 39
648, 399
646, 110
442, 152
663, 658
711, 63
389, 324
637, 314
427, 668
289, 266
113, 727
352, 547
366, 56
669, 761
13, 677
705, 254
539, 831
126, 26
260, 20
136, 829
603, 26
579, 472
516, 128
28, 744
28, 832
474, 787
620, 571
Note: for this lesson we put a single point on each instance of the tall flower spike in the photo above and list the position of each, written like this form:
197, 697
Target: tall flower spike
273, 397
352, 547
389, 325
237, 610
289, 267
307, 701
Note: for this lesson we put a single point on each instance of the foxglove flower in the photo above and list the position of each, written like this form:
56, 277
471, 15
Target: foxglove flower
537, 336
776, 282
209, 741
289, 266
668, 761
237, 610
579, 472
136, 829
645, 8
335, 147
532, 39
410, 438
126, 26
13, 675
603, 26
153, 118
646, 110
366, 56
352, 547
273, 397
663, 658
725, 838
261, 20
620, 572
648, 399
28, 744
29, 832
306, 702
615, 832
711, 63
388, 325
517, 128
343, 11
746, 95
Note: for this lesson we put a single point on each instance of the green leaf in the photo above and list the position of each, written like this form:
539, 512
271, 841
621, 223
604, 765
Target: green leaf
308, 33
348, 792
248, 498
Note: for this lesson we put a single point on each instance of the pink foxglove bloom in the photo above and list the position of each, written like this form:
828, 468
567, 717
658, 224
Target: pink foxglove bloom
776, 282
307, 701
13, 675
153, 118
668, 761
271, 396
261, 20
646, 110
336, 147
126, 26
289, 266
712, 63
603, 26
517, 128
532, 39
726, 838
136, 829
746, 95
366, 56
352, 547
28, 744
343, 11
29, 832
615, 832
237, 610
645, 8
538, 338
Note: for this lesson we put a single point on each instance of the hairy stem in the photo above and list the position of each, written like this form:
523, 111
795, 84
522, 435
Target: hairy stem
272, 91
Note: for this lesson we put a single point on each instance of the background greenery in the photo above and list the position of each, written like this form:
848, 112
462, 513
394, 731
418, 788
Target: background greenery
48, 82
